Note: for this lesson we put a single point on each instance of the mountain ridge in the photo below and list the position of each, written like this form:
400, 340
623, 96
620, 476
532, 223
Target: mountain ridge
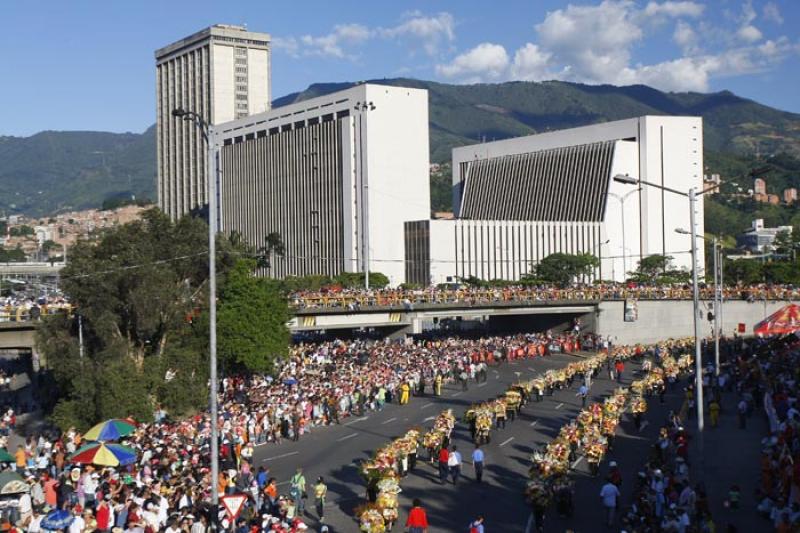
53, 171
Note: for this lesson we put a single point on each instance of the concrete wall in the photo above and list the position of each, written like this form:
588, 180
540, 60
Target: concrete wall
662, 319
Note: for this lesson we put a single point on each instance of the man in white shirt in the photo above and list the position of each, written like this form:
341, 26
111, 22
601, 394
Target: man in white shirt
609, 494
454, 463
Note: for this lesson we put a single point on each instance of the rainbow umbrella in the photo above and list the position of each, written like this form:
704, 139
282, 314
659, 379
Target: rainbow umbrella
113, 429
102, 454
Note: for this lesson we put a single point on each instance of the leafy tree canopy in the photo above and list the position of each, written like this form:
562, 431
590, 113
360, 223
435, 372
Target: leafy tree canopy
563, 269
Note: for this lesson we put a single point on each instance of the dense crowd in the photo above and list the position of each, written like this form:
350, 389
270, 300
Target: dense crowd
20, 308
407, 298
167, 488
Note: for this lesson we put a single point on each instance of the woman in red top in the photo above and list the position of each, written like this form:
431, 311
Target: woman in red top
417, 521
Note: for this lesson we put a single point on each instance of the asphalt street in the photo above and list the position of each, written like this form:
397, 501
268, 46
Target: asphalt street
334, 452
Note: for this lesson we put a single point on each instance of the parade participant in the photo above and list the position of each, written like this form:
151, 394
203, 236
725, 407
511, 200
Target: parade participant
477, 463
405, 389
454, 464
583, 392
476, 526
500, 414
298, 491
444, 457
417, 521
320, 493
610, 496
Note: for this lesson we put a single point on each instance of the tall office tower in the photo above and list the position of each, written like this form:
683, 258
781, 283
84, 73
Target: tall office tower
222, 73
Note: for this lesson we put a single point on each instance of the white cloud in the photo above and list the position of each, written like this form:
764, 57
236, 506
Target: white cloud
531, 64
685, 37
286, 44
593, 42
430, 31
749, 33
772, 13
674, 9
333, 43
487, 61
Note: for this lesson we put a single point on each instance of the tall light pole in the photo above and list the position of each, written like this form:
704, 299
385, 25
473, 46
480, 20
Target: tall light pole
692, 195
622, 224
210, 136
717, 294
361, 108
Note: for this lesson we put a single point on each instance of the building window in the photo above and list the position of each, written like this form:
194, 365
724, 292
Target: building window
241, 79
241, 97
241, 88
240, 51
241, 70
240, 61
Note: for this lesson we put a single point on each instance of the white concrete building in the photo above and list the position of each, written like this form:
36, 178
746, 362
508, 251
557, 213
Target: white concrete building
519, 200
222, 73
330, 175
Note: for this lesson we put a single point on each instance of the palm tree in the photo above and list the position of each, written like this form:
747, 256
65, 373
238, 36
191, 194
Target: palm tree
273, 245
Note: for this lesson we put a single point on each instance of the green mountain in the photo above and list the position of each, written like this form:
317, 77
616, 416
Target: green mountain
56, 171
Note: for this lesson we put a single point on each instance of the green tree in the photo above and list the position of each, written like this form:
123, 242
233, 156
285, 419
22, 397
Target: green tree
273, 245
135, 286
355, 280
563, 269
743, 271
21, 231
650, 268
14, 255
252, 320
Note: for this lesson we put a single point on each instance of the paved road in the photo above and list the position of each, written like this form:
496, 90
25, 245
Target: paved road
334, 452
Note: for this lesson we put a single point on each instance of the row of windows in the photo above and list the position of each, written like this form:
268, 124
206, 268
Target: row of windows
241, 97
240, 51
240, 70
241, 88
240, 61
241, 41
288, 127
241, 79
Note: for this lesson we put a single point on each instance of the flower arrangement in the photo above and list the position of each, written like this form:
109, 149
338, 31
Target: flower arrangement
370, 519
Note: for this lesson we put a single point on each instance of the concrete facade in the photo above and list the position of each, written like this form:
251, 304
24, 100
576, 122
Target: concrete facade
637, 222
330, 175
665, 319
222, 73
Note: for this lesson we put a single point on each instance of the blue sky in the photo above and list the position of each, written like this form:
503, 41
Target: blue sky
88, 65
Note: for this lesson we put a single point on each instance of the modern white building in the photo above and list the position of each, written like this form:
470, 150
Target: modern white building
222, 73
519, 200
335, 176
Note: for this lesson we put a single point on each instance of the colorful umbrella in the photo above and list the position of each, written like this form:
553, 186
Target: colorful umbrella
6, 457
113, 429
57, 520
103, 454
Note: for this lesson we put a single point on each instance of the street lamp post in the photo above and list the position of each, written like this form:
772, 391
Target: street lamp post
210, 136
622, 225
361, 108
692, 195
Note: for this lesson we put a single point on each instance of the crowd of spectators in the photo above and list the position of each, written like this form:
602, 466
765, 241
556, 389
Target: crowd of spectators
335, 297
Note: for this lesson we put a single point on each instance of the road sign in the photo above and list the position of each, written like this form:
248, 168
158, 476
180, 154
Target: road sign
233, 504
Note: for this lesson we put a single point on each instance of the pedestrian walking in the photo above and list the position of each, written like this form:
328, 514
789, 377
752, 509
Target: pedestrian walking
444, 456
298, 491
454, 464
417, 521
619, 368
741, 408
583, 392
476, 526
320, 493
713, 411
437, 385
609, 494
477, 463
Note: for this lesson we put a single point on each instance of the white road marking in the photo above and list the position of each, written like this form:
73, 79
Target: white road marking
357, 420
388, 421
577, 462
482, 384
532, 369
559, 406
350, 436
497, 376
457, 394
427, 405
534, 423
279, 456
428, 419
284, 483
509, 439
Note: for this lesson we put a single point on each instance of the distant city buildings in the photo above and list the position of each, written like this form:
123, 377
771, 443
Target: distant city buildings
759, 186
760, 239
221, 73
46, 237
790, 195
712, 180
